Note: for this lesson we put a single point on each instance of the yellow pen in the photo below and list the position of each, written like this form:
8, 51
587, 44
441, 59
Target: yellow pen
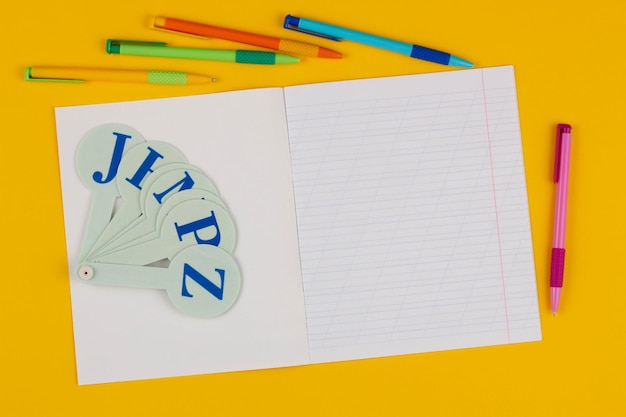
81, 75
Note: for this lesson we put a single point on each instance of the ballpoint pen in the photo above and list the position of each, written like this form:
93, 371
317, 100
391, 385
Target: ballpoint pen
160, 49
561, 178
81, 75
337, 33
270, 42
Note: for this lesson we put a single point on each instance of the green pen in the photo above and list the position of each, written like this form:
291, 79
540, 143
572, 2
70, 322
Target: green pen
161, 50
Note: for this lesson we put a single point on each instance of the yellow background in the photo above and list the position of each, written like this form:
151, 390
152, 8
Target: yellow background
569, 63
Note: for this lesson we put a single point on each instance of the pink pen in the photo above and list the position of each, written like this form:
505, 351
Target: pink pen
561, 178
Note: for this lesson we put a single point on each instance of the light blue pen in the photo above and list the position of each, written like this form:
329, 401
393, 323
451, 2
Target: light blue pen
337, 33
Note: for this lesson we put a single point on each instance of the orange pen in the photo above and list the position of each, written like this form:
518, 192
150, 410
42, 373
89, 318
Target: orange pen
269, 42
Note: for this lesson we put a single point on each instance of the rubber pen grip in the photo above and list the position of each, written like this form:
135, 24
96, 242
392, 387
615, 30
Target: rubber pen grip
557, 267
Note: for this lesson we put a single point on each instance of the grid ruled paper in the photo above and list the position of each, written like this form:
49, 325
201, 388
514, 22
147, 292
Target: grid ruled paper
412, 214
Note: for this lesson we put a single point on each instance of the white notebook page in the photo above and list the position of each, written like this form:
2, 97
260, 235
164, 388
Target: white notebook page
128, 333
412, 214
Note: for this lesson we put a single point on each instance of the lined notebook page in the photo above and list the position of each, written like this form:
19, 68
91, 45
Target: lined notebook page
412, 214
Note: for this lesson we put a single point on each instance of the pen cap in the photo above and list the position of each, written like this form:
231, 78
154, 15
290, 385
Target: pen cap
561, 128
29, 76
180, 27
114, 46
293, 23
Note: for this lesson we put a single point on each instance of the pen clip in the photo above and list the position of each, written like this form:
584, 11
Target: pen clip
561, 128
28, 76
291, 23
113, 44
158, 22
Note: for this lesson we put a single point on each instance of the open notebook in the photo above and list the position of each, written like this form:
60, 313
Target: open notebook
374, 217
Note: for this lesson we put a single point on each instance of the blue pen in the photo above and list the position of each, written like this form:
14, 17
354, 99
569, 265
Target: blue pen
337, 33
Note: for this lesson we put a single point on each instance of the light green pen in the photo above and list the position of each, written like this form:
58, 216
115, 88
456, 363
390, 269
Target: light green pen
161, 50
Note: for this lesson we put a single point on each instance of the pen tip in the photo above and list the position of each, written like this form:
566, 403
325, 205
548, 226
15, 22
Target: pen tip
554, 314
455, 61
328, 53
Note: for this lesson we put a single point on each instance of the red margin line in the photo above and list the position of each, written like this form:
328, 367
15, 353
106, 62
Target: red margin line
495, 203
